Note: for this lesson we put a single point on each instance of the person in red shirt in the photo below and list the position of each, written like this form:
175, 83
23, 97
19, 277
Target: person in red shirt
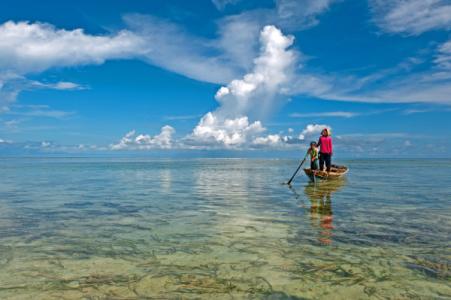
325, 152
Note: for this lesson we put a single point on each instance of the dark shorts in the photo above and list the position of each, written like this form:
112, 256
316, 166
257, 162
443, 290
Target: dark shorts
314, 164
325, 158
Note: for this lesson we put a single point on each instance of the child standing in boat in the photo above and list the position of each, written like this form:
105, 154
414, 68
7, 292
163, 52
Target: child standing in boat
325, 152
313, 152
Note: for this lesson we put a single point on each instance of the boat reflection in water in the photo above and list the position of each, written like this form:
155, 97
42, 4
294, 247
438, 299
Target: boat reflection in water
321, 215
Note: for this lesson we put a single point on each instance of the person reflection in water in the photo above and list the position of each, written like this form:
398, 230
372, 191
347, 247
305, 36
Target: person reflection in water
321, 215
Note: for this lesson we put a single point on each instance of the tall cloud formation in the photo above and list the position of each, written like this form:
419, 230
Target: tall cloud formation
255, 93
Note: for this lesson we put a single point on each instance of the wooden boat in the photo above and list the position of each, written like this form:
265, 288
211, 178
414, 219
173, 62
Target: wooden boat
335, 172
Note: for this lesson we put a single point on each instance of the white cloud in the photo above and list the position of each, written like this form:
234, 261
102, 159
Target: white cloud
131, 141
213, 132
272, 141
64, 85
238, 39
312, 130
412, 17
35, 47
45, 144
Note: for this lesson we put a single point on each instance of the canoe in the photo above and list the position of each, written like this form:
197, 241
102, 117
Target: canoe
335, 172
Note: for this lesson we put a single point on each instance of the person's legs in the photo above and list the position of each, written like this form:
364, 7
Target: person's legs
328, 160
321, 161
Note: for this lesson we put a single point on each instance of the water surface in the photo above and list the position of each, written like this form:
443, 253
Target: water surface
222, 228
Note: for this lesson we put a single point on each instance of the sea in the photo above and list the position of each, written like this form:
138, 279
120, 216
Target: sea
141, 228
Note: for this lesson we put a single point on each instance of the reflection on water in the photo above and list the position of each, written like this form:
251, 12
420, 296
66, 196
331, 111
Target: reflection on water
321, 215
128, 229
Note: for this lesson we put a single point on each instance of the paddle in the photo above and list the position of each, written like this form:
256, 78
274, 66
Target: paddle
297, 170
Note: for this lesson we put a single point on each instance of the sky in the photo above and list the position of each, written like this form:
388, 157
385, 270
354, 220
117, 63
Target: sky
225, 77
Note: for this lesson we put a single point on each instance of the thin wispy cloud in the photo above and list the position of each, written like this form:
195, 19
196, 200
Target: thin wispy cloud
443, 57
42, 111
334, 114
221, 4
415, 111
181, 117
411, 17
171, 47
295, 14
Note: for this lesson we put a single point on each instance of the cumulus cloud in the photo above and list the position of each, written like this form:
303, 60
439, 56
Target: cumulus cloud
312, 130
412, 17
131, 141
272, 141
213, 131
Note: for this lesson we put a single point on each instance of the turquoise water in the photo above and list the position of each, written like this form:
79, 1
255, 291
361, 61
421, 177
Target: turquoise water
223, 228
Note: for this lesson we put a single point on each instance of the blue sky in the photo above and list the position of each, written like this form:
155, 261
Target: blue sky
145, 77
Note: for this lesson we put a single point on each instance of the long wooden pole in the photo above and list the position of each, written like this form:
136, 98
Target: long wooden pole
297, 170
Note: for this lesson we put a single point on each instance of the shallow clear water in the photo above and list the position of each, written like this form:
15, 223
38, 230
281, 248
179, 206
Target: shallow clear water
223, 228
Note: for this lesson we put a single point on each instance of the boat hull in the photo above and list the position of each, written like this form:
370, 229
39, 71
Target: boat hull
335, 173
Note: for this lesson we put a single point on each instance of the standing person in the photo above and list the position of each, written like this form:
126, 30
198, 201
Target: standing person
313, 152
325, 152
